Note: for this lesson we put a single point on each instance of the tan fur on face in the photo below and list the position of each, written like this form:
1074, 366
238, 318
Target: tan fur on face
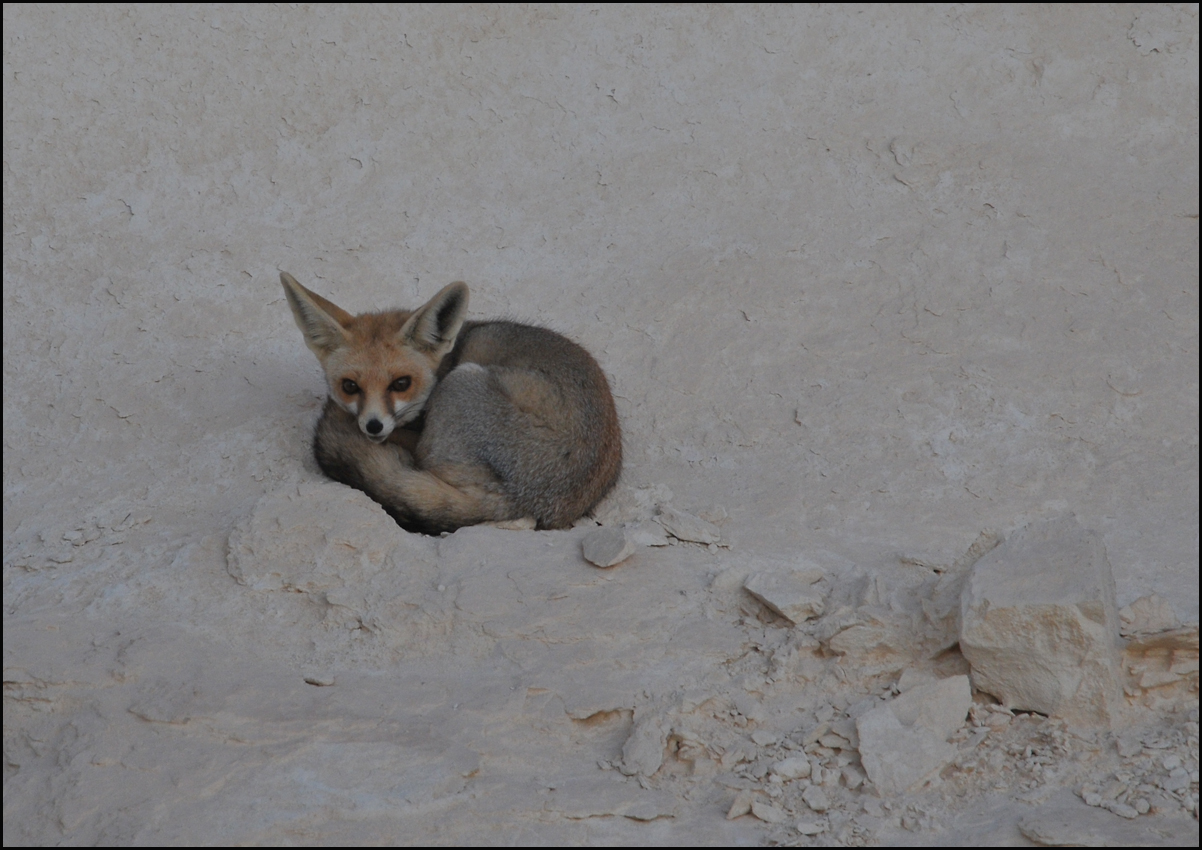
373, 350
373, 357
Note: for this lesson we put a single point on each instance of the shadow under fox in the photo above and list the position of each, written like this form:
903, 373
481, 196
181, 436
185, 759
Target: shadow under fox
447, 422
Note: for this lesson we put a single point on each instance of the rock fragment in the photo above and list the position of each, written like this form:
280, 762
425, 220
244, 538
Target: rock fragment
742, 804
1039, 624
1065, 822
789, 592
1147, 615
794, 767
685, 526
767, 812
647, 534
905, 741
643, 752
606, 547
814, 797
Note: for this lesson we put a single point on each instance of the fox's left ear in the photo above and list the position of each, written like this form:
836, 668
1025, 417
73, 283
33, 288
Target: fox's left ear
435, 326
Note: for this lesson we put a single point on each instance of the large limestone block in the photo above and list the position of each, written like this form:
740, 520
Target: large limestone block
1039, 624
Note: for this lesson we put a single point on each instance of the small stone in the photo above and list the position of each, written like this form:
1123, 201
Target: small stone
685, 526
1128, 747
811, 827
794, 767
1176, 780
852, 777
648, 534
1142, 806
606, 547
764, 738
1091, 798
1122, 809
741, 806
816, 798
998, 719
1170, 761
788, 592
835, 742
767, 812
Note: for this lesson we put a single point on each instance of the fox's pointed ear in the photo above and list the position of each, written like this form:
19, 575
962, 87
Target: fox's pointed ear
321, 321
434, 327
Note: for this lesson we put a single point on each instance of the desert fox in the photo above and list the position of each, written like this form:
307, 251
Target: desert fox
447, 422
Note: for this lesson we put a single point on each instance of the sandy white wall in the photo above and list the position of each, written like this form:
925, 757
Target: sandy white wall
960, 242
872, 279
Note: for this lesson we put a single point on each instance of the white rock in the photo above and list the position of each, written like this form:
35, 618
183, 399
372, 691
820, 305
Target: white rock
1039, 624
742, 805
606, 547
647, 534
643, 752
811, 827
1064, 822
1147, 615
789, 592
685, 526
1122, 809
794, 767
767, 812
816, 798
853, 778
764, 738
905, 741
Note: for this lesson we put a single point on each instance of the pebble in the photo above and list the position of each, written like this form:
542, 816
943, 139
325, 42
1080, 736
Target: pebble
606, 547
1176, 780
685, 526
1128, 747
794, 767
852, 777
811, 827
816, 798
767, 812
1122, 809
788, 592
741, 806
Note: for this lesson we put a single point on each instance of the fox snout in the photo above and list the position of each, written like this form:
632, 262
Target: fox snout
376, 429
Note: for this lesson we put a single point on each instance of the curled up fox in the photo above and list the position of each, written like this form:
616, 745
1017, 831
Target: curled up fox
447, 422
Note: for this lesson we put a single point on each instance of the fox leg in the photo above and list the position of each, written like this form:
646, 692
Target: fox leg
443, 498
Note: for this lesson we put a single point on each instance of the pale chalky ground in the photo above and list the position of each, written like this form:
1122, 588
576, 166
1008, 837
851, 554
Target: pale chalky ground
900, 310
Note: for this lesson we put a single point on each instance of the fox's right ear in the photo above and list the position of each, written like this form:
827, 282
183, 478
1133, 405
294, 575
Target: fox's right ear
321, 321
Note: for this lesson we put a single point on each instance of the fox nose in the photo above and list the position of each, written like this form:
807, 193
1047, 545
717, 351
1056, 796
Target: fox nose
374, 426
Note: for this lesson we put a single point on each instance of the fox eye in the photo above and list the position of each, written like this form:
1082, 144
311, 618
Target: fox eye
401, 384
349, 387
